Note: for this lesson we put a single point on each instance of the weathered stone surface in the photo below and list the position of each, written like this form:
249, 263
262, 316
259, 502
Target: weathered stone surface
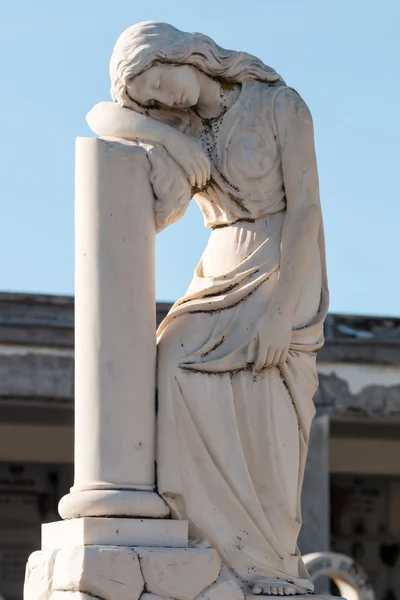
373, 400
178, 573
117, 573
34, 374
58, 595
349, 577
225, 588
37, 320
110, 572
38, 576
152, 597
98, 531
315, 495
298, 597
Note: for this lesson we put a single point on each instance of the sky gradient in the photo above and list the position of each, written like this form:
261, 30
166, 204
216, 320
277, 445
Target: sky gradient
341, 56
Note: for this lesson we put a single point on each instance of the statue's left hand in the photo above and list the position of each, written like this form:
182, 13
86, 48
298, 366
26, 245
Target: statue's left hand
187, 152
270, 341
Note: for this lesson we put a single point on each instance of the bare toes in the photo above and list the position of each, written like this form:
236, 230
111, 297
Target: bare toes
290, 590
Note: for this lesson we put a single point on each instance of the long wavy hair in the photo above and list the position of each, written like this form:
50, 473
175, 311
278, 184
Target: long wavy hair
141, 46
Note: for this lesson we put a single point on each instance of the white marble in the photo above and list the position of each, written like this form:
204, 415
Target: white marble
224, 588
123, 573
115, 349
101, 571
166, 571
236, 355
39, 574
115, 531
75, 595
299, 597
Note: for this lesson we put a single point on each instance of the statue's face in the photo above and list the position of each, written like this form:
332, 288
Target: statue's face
167, 85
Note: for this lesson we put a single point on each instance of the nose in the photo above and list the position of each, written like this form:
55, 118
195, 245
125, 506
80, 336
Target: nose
167, 99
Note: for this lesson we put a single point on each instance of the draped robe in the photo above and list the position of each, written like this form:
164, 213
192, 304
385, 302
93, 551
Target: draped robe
232, 447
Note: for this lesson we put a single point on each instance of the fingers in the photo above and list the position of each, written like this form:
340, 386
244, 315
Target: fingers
264, 357
197, 168
261, 359
252, 349
207, 170
284, 356
202, 166
270, 358
191, 172
203, 171
195, 175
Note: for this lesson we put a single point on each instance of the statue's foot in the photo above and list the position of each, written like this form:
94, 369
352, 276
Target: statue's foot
278, 587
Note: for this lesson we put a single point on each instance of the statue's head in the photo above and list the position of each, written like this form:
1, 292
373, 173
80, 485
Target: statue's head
154, 62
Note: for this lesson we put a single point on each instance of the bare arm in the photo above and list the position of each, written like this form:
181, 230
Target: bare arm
108, 119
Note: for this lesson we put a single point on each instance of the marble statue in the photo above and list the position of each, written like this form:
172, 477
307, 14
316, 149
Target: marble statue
237, 354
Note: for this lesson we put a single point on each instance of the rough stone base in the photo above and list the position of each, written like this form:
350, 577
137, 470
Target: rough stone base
130, 573
122, 573
297, 597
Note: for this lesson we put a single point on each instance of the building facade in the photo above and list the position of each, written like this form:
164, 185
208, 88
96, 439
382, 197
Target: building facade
351, 496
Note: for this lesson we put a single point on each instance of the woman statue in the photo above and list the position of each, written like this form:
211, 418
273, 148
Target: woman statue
237, 354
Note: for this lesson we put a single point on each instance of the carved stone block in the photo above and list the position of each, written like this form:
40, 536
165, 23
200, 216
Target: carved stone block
224, 588
105, 572
97, 531
57, 595
38, 575
121, 573
178, 573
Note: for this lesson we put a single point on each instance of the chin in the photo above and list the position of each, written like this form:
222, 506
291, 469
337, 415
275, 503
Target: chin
191, 100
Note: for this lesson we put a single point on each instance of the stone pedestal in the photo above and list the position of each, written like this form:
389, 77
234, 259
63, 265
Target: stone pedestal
120, 573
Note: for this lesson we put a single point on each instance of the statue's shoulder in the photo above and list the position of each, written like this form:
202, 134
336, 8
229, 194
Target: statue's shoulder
288, 103
265, 94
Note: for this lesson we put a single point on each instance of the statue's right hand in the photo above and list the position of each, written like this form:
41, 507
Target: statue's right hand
190, 156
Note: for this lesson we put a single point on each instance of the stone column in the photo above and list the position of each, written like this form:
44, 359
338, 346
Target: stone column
115, 345
315, 532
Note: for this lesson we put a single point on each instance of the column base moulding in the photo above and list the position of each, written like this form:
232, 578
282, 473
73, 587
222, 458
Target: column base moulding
110, 503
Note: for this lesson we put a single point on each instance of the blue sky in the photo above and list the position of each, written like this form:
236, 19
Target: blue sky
341, 55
